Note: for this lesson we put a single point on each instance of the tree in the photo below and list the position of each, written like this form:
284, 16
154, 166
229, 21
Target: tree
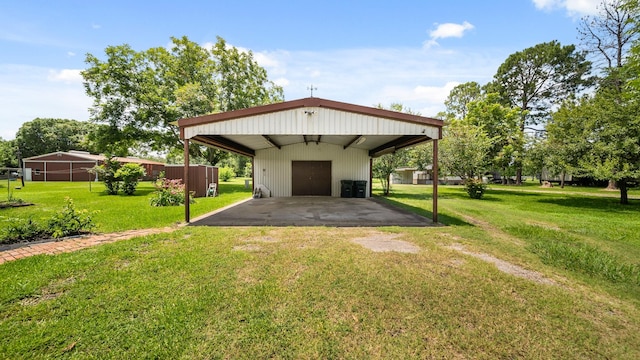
138, 95
459, 98
567, 134
608, 37
43, 136
386, 165
500, 123
465, 150
533, 79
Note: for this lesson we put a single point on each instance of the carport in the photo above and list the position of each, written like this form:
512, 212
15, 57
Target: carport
306, 147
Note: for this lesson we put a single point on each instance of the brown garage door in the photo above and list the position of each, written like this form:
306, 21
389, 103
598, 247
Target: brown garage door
311, 178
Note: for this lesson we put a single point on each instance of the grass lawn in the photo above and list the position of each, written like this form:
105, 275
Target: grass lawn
113, 212
262, 292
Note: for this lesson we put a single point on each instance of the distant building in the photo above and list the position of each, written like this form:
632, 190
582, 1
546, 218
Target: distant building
74, 165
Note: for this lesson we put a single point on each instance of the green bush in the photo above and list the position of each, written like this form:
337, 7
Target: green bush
117, 176
475, 188
129, 174
107, 172
226, 173
69, 221
21, 230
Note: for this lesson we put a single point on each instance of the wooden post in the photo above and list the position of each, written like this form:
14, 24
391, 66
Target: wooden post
186, 180
435, 181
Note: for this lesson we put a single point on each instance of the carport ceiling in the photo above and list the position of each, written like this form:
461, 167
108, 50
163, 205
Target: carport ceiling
310, 121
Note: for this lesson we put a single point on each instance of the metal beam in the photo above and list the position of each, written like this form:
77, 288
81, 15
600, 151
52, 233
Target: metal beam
351, 141
434, 168
397, 144
270, 141
186, 181
224, 144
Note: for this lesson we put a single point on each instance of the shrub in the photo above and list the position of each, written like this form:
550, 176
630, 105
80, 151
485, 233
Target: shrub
69, 221
169, 193
475, 188
22, 229
107, 172
129, 174
226, 173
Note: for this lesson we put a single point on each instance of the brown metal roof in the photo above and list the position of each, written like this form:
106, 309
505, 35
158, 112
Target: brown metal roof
310, 102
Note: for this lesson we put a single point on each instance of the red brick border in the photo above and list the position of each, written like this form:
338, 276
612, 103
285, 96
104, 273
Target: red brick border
73, 244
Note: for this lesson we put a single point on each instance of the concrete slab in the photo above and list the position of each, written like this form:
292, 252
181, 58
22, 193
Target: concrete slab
313, 211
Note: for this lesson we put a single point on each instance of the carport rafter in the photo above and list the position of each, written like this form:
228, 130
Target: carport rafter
397, 144
270, 141
225, 144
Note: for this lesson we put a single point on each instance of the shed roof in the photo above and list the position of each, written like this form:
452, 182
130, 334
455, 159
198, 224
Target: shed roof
310, 120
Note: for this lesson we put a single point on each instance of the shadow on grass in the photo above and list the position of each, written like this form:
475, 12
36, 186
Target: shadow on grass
442, 218
610, 205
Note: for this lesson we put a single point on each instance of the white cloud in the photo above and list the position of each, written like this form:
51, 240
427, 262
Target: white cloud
65, 75
71, 54
447, 30
369, 77
95, 26
574, 8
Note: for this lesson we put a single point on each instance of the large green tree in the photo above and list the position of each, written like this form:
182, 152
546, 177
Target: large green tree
42, 136
464, 150
459, 99
535, 78
607, 36
137, 95
500, 123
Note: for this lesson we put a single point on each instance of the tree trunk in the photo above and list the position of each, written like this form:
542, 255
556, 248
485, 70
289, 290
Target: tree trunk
612, 185
562, 180
519, 176
624, 197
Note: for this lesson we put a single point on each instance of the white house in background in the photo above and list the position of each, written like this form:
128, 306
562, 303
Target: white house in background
307, 146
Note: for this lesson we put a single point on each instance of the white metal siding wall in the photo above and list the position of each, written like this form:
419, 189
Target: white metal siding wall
322, 122
349, 164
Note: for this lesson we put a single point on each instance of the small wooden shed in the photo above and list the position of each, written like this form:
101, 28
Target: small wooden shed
200, 176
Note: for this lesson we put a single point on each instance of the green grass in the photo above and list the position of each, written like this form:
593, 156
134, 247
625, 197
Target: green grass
114, 212
289, 293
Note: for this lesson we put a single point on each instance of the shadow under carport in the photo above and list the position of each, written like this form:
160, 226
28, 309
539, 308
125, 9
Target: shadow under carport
313, 211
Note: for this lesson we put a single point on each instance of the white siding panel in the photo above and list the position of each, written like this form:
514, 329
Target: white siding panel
322, 122
273, 167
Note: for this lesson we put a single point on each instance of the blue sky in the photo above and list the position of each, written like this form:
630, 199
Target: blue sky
361, 52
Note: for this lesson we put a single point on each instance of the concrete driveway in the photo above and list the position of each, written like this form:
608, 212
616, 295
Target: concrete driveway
312, 211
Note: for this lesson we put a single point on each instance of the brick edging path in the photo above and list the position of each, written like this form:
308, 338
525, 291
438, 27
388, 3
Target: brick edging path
72, 244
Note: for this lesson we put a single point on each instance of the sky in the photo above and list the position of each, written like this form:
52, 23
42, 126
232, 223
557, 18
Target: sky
365, 52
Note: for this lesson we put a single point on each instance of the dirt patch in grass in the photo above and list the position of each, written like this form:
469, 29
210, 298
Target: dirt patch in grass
505, 266
248, 247
50, 292
380, 242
